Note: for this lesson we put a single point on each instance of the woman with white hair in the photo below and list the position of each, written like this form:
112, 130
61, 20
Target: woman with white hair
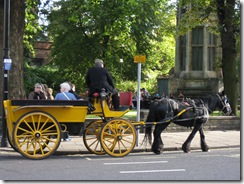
64, 92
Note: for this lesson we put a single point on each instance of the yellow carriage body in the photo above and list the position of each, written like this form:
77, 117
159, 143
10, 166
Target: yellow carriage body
34, 126
102, 109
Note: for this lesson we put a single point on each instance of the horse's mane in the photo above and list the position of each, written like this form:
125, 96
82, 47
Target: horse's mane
205, 99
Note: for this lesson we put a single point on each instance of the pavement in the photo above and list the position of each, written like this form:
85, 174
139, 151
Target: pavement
172, 142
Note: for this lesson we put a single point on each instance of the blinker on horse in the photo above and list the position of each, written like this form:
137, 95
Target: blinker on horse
194, 113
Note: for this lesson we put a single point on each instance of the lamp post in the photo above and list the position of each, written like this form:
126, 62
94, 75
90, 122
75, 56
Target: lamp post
6, 66
121, 61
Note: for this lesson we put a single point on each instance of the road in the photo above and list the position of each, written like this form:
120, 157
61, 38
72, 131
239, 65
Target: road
219, 164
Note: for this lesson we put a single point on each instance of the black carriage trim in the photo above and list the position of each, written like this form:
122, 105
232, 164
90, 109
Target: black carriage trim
49, 102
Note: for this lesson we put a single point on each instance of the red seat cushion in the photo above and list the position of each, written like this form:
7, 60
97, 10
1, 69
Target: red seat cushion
95, 94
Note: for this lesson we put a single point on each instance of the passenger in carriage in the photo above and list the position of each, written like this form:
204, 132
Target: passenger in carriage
37, 94
99, 77
50, 94
45, 90
64, 93
72, 90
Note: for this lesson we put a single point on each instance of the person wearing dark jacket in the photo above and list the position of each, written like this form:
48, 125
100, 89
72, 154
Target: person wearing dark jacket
99, 77
72, 90
37, 94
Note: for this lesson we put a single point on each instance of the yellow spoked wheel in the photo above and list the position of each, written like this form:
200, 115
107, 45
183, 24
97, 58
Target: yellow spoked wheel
37, 135
118, 137
91, 137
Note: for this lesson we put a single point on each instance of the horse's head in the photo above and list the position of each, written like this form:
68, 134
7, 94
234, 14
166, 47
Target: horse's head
223, 103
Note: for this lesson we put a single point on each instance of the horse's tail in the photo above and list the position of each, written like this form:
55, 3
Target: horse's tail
150, 118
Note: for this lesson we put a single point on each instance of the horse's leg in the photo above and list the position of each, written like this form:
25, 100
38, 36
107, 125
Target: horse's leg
148, 134
150, 118
187, 143
204, 145
158, 145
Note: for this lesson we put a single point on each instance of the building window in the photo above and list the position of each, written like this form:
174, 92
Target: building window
197, 48
211, 50
183, 53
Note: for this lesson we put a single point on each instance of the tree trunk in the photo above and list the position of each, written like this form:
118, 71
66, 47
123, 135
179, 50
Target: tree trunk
17, 26
16, 79
225, 15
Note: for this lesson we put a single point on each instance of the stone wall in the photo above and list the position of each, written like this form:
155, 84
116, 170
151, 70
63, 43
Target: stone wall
214, 123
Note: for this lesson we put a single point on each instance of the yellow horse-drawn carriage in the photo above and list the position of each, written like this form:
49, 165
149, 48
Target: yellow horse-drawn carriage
36, 127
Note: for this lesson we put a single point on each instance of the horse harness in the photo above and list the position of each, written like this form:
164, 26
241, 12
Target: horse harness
191, 105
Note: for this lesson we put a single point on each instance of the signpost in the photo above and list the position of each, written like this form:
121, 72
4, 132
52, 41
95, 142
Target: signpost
138, 59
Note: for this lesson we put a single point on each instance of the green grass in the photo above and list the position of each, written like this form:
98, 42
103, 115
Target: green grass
129, 115
133, 113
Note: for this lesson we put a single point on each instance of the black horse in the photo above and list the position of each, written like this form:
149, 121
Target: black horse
192, 113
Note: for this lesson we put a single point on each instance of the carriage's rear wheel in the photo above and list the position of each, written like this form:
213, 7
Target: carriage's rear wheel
37, 135
91, 137
118, 137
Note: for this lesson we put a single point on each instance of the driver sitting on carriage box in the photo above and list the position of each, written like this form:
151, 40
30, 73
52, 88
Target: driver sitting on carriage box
99, 77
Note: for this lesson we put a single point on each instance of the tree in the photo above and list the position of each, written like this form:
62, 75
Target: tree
84, 30
24, 30
227, 29
17, 24
227, 26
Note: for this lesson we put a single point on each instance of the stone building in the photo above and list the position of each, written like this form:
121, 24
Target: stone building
196, 71
43, 53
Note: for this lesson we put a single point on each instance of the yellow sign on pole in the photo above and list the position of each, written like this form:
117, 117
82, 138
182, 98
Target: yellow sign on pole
140, 59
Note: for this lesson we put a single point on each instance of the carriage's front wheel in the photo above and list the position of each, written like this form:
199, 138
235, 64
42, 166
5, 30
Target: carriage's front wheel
91, 137
118, 137
37, 135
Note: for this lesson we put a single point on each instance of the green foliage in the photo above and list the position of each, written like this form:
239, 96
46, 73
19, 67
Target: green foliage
31, 27
84, 30
126, 86
44, 75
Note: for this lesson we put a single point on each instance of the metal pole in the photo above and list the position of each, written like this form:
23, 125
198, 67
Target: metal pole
5, 69
138, 100
121, 62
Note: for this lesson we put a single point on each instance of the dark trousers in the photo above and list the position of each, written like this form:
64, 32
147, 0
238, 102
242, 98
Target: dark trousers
115, 100
115, 96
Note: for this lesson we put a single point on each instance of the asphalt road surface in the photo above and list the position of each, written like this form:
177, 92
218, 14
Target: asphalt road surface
219, 164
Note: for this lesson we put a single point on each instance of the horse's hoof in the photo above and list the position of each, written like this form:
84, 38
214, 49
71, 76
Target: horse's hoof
186, 149
204, 147
157, 152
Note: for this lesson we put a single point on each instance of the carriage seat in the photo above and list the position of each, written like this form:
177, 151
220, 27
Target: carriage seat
103, 95
95, 95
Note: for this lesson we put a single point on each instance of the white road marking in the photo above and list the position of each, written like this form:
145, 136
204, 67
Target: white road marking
151, 171
124, 163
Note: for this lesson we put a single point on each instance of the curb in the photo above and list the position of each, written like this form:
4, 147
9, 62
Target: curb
143, 150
